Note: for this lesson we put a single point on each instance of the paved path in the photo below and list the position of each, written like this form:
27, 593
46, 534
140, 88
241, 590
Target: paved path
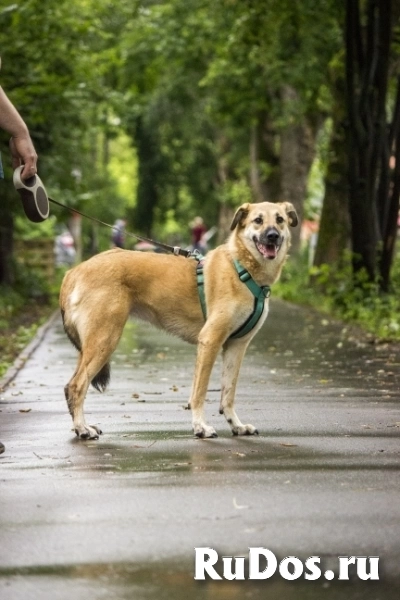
120, 518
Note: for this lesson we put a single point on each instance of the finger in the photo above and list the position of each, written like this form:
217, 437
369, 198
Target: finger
15, 161
29, 169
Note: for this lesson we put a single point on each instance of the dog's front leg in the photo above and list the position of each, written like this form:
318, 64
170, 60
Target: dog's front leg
209, 344
233, 353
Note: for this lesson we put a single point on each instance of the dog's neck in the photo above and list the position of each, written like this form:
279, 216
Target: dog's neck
263, 271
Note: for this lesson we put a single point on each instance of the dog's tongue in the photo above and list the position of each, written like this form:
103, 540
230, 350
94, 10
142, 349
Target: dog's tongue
269, 251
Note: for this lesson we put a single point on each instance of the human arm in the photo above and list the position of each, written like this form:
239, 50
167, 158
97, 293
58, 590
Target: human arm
21, 146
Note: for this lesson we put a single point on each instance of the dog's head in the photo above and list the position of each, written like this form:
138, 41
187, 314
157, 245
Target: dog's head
264, 228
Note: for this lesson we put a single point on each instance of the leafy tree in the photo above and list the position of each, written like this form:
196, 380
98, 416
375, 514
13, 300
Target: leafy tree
226, 91
60, 64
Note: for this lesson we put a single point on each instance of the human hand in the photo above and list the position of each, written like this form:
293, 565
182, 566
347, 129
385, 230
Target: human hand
23, 153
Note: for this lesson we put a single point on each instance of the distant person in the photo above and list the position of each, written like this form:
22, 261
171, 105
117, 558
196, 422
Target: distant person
118, 234
21, 146
64, 249
198, 230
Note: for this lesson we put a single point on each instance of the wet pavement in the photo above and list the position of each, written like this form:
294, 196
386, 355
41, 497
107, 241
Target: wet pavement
120, 517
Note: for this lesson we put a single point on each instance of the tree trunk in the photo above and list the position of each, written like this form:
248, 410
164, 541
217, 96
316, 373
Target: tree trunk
390, 192
367, 64
149, 171
334, 229
262, 152
296, 155
226, 212
268, 157
75, 227
225, 217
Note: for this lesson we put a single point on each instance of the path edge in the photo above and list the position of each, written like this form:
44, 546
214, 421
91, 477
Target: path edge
27, 352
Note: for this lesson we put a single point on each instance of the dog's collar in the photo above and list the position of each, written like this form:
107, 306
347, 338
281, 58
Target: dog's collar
260, 293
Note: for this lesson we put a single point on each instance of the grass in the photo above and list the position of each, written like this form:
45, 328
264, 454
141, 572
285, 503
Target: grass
23, 309
18, 326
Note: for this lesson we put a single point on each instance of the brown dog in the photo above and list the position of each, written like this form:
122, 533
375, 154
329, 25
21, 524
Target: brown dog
98, 295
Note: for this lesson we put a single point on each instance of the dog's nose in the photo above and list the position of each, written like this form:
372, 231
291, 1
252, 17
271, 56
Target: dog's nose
272, 237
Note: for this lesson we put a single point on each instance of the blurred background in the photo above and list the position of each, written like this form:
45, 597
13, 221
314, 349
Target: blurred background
155, 114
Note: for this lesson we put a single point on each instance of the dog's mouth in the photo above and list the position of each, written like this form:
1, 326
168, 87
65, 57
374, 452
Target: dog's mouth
269, 250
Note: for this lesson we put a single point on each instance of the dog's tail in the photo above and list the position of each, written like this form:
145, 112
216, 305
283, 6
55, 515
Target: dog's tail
102, 379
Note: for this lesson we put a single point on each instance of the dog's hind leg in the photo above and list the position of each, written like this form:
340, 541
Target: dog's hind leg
93, 367
233, 353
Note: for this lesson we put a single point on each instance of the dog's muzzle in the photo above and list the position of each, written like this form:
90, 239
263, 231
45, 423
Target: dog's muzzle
269, 243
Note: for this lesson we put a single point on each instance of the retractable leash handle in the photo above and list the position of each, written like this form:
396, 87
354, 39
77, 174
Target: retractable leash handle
33, 195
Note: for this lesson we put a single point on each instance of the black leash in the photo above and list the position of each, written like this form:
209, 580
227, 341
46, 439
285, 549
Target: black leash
35, 201
174, 249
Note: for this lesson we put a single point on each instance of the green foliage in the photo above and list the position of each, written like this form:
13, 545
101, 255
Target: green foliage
235, 192
66, 91
24, 230
10, 303
19, 322
144, 110
196, 75
335, 291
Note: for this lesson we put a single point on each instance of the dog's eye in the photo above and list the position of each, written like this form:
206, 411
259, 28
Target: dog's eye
279, 219
258, 220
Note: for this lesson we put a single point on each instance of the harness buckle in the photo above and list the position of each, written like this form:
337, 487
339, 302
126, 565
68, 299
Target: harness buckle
244, 276
197, 255
266, 291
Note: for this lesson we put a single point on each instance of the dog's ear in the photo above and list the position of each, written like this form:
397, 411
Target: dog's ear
240, 214
291, 213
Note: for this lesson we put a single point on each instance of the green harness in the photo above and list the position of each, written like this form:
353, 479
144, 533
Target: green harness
260, 293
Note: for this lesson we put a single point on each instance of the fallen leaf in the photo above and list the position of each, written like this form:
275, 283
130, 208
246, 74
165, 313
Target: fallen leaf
238, 506
25, 410
149, 446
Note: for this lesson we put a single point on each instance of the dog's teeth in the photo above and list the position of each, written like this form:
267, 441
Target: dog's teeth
269, 251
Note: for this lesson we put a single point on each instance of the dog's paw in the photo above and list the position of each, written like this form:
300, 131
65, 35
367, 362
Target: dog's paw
87, 432
244, 430
204, 431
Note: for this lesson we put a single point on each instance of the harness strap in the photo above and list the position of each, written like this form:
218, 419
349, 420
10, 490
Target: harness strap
260, 293
200, 284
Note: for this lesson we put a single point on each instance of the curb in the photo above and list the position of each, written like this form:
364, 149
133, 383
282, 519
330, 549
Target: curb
27, 352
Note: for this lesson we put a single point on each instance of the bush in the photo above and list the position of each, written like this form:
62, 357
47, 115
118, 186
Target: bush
336, 291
